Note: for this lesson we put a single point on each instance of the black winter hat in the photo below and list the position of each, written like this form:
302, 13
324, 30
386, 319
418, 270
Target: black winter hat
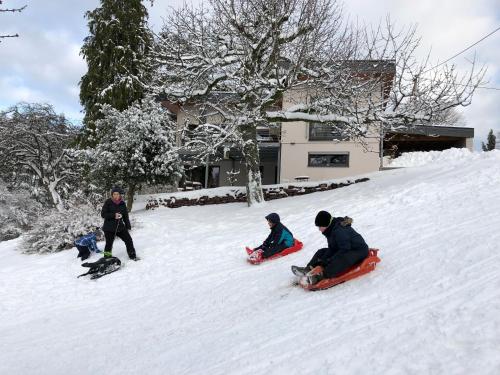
323, 219
117, 189
273, 218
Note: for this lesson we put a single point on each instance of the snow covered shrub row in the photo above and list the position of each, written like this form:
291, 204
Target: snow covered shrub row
57, 230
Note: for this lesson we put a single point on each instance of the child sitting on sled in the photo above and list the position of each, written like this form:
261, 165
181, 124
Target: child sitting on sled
345, 248
278, 240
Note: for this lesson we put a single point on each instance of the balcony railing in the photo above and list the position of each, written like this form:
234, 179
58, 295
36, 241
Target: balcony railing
268, 135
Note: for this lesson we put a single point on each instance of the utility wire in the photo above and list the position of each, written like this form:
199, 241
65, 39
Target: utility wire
479, 87
488, 88
459, 53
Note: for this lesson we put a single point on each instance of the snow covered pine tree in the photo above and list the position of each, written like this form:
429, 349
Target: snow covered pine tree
115, 52
137, 146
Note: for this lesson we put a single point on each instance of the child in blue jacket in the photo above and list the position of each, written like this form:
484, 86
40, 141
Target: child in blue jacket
278, 240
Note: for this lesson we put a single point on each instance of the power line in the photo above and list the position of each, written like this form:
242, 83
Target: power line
488, 88
479, 87
459, 53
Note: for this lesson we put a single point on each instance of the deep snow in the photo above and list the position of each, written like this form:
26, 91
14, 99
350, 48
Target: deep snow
193, 305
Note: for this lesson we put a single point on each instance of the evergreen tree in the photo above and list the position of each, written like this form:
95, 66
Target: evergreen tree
115, 50
491, 142
137, 146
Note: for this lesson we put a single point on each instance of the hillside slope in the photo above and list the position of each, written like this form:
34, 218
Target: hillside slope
194, 306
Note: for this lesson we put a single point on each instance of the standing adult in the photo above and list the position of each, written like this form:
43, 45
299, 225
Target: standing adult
116, 223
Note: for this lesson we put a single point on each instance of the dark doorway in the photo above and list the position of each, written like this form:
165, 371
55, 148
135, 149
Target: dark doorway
213, 176
197, 174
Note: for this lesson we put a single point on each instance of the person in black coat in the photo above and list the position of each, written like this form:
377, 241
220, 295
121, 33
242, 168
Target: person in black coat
116, 223
345, 248
278, 240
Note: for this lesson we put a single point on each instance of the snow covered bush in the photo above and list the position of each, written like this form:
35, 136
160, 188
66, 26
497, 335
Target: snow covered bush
56, 230
137, 146
18, 211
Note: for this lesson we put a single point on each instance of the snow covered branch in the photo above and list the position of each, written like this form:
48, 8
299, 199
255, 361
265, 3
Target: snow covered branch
11, 10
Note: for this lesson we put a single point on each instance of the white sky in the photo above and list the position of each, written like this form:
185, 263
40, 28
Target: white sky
44, 65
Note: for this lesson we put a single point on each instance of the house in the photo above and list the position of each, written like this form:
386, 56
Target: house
300, 151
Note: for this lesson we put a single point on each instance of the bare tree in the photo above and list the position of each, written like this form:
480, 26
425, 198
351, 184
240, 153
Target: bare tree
12, 10
249, 63
450, 117
34, 144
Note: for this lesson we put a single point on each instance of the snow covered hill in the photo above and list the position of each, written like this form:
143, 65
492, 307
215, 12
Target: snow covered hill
194, 306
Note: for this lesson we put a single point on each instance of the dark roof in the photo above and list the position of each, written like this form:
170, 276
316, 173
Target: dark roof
435, 131
372, 66
359, 67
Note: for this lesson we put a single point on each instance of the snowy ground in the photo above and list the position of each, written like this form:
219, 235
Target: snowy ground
194, 306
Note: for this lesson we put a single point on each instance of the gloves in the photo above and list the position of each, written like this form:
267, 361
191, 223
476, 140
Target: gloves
118, 216
256, 255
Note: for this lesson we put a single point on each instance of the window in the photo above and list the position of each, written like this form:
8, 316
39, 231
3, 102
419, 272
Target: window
326, 132
331, 160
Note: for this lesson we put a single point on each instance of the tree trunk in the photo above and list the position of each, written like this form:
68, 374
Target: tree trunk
130, 196
56, 198
381, 146
252, 162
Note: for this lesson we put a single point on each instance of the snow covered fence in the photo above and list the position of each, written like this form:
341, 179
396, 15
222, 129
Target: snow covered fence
238, 194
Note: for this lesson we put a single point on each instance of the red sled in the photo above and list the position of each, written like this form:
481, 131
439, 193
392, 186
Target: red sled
357, 270
297, 245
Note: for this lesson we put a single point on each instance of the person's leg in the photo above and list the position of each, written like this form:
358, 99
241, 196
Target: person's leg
319, 258
110, 238
125, 236
316, 260
272, 250
341, 262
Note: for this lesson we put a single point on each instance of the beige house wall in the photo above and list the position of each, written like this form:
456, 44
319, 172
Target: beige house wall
469, 143
296, 147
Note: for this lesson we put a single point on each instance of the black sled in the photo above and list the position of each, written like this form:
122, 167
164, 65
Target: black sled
103, 266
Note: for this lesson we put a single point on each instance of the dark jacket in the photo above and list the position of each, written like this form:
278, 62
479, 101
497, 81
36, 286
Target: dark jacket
109, 209
279, 233
343, 240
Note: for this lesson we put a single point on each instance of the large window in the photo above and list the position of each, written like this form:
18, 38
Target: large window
329, 160
326, 132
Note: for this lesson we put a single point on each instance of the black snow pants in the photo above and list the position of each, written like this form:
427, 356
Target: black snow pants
335, 264
125, 236
273, 249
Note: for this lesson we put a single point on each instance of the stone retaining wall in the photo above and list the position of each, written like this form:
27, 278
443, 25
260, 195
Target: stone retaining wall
269, 194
